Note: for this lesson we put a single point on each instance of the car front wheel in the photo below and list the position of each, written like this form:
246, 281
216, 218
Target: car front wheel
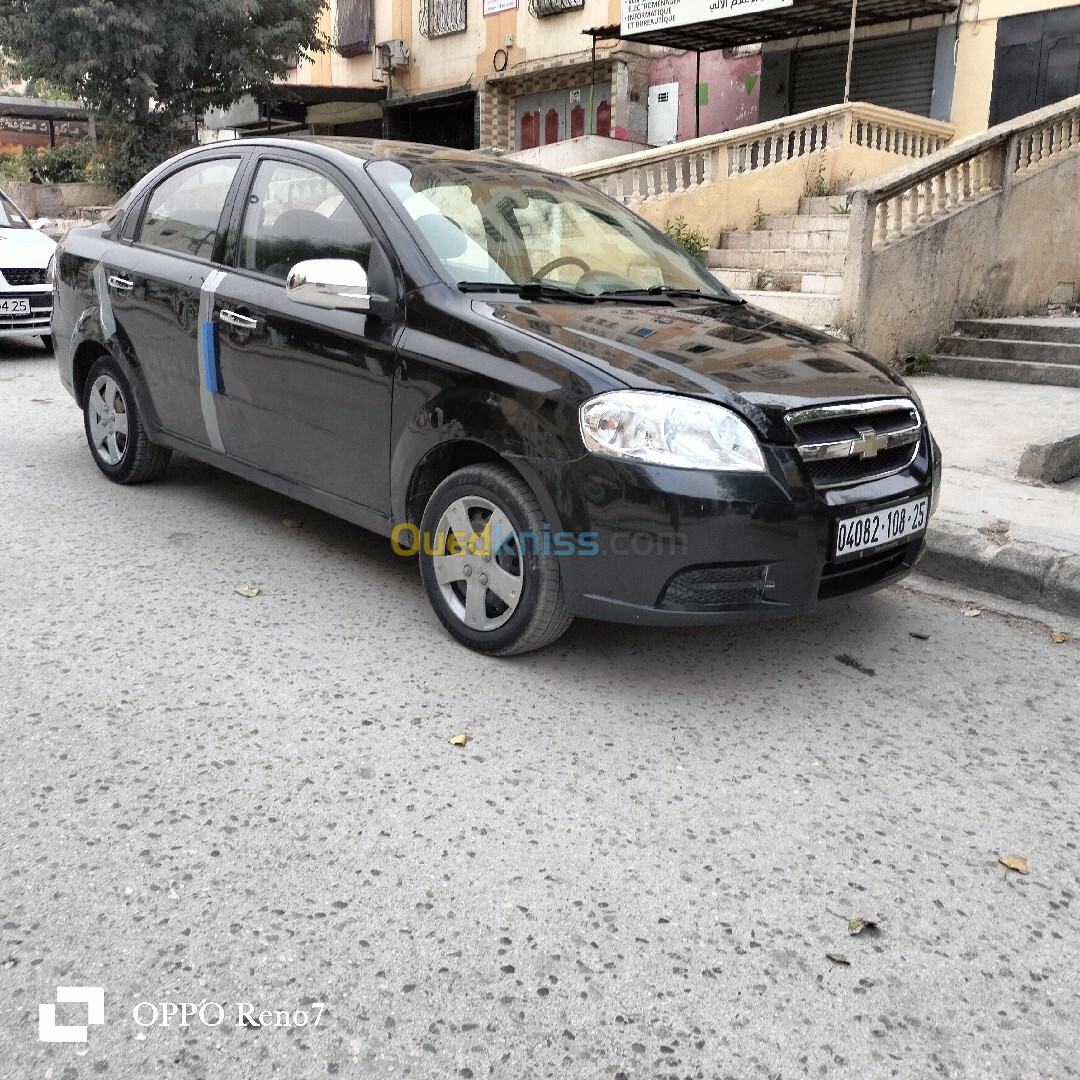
486, 564
114, 429
46, 341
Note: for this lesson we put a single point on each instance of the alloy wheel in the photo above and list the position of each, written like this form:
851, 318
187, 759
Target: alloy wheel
477, 562
108, 420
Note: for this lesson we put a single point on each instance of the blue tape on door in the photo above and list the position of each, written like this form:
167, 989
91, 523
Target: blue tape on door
211, 368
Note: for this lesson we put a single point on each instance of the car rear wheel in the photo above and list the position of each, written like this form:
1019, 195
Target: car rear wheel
114, 430
483, 563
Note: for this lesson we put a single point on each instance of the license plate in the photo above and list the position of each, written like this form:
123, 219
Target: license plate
17, 305
880, 527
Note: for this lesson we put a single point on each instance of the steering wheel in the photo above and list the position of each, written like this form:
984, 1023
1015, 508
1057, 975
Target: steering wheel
565, 260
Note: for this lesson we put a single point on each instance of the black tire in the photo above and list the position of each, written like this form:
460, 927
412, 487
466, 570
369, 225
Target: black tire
46, 340
540, 615
137, 458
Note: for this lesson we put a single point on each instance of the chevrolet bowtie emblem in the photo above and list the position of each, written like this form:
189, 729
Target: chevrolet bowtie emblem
869, 443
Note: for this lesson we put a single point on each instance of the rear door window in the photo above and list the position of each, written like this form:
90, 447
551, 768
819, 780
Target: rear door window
183, 213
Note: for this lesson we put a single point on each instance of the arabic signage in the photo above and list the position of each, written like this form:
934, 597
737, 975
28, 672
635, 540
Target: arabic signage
493, 7
641, 16
72, 129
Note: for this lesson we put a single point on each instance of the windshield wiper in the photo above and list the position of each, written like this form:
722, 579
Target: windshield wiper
487, 286
665, 290
535, 289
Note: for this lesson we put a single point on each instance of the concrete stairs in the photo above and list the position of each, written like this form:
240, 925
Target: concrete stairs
793, 264
1035, 350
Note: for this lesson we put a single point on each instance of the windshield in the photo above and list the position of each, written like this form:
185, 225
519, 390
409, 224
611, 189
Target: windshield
11, 216
507, 228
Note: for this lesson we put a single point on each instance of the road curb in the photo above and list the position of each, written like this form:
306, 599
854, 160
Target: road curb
1031, 573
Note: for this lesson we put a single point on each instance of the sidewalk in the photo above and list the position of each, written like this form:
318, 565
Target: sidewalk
993, 531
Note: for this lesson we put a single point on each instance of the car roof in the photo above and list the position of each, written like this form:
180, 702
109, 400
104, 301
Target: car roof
373, 149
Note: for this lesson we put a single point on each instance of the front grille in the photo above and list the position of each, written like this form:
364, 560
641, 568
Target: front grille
23, 277
715, 587
851, 444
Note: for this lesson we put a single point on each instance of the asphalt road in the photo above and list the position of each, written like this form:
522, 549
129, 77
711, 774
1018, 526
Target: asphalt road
636, 867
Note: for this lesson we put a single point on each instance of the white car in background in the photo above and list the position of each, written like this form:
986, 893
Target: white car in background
25, 289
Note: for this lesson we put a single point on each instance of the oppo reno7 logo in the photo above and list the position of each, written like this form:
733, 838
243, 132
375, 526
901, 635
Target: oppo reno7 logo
93, 997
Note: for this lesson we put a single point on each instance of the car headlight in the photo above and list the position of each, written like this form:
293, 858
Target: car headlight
50, 270
663, 429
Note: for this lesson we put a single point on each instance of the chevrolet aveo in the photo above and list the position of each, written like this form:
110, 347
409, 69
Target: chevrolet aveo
555, 407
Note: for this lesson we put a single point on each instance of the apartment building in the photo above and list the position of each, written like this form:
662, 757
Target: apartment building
515, 75
558, 82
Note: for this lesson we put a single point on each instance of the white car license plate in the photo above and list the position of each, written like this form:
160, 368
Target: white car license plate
880, 527
14, 305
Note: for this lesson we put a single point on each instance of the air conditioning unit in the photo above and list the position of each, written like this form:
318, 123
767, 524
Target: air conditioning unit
391, 55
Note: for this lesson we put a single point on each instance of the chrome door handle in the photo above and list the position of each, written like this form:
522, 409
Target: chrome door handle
120, 283
241, 322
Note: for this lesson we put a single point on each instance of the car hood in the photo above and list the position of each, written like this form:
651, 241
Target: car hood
25, 249
736, 354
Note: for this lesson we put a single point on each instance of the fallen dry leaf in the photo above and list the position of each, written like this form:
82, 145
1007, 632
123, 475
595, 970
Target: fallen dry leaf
1058, 638
460, 739
971, 612
839, 958
247, 590
919, 635
1015, 862
857, 926
291, 523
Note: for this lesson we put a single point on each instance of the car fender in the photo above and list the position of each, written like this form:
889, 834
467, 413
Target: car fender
478, 425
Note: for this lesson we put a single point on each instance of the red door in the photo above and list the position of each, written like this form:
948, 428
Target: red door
551, 126
603, 119
577, 122
530, 130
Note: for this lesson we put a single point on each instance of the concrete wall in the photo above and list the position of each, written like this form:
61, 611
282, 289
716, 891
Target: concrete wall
56, 200
732, 87
571, 152
1004, 255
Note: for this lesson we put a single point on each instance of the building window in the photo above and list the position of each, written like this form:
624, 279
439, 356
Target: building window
441, 17
353, 27
541, 9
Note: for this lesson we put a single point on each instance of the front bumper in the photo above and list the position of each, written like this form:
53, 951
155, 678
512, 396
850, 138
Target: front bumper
682, 547
34, 322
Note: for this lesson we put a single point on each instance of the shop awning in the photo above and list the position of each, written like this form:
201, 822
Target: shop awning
800, 18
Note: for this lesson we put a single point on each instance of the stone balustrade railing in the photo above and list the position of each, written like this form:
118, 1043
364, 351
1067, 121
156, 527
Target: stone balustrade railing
670, 170
908, 200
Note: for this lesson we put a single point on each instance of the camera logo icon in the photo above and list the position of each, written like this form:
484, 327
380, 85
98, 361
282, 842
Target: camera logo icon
93, 997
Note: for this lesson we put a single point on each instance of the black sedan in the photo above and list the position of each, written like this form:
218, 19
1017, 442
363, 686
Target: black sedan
511, 376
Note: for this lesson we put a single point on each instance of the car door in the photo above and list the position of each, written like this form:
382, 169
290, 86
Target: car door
305, 392
154, 286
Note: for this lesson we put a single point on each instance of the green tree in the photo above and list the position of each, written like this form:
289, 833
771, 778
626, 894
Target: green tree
148, 68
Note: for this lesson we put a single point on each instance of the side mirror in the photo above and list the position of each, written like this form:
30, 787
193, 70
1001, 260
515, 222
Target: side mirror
329, 283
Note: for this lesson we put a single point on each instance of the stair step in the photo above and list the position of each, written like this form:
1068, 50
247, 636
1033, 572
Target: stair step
999, 348
778, 259
1018, 371
805, 308
807, 222
741, 279
822, 205
780, 239
1063, 331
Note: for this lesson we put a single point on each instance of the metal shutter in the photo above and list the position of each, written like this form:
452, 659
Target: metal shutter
897, 72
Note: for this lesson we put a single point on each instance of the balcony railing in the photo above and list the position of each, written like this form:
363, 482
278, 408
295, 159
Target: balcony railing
438, 18
541, 9
670, 170
352, 29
